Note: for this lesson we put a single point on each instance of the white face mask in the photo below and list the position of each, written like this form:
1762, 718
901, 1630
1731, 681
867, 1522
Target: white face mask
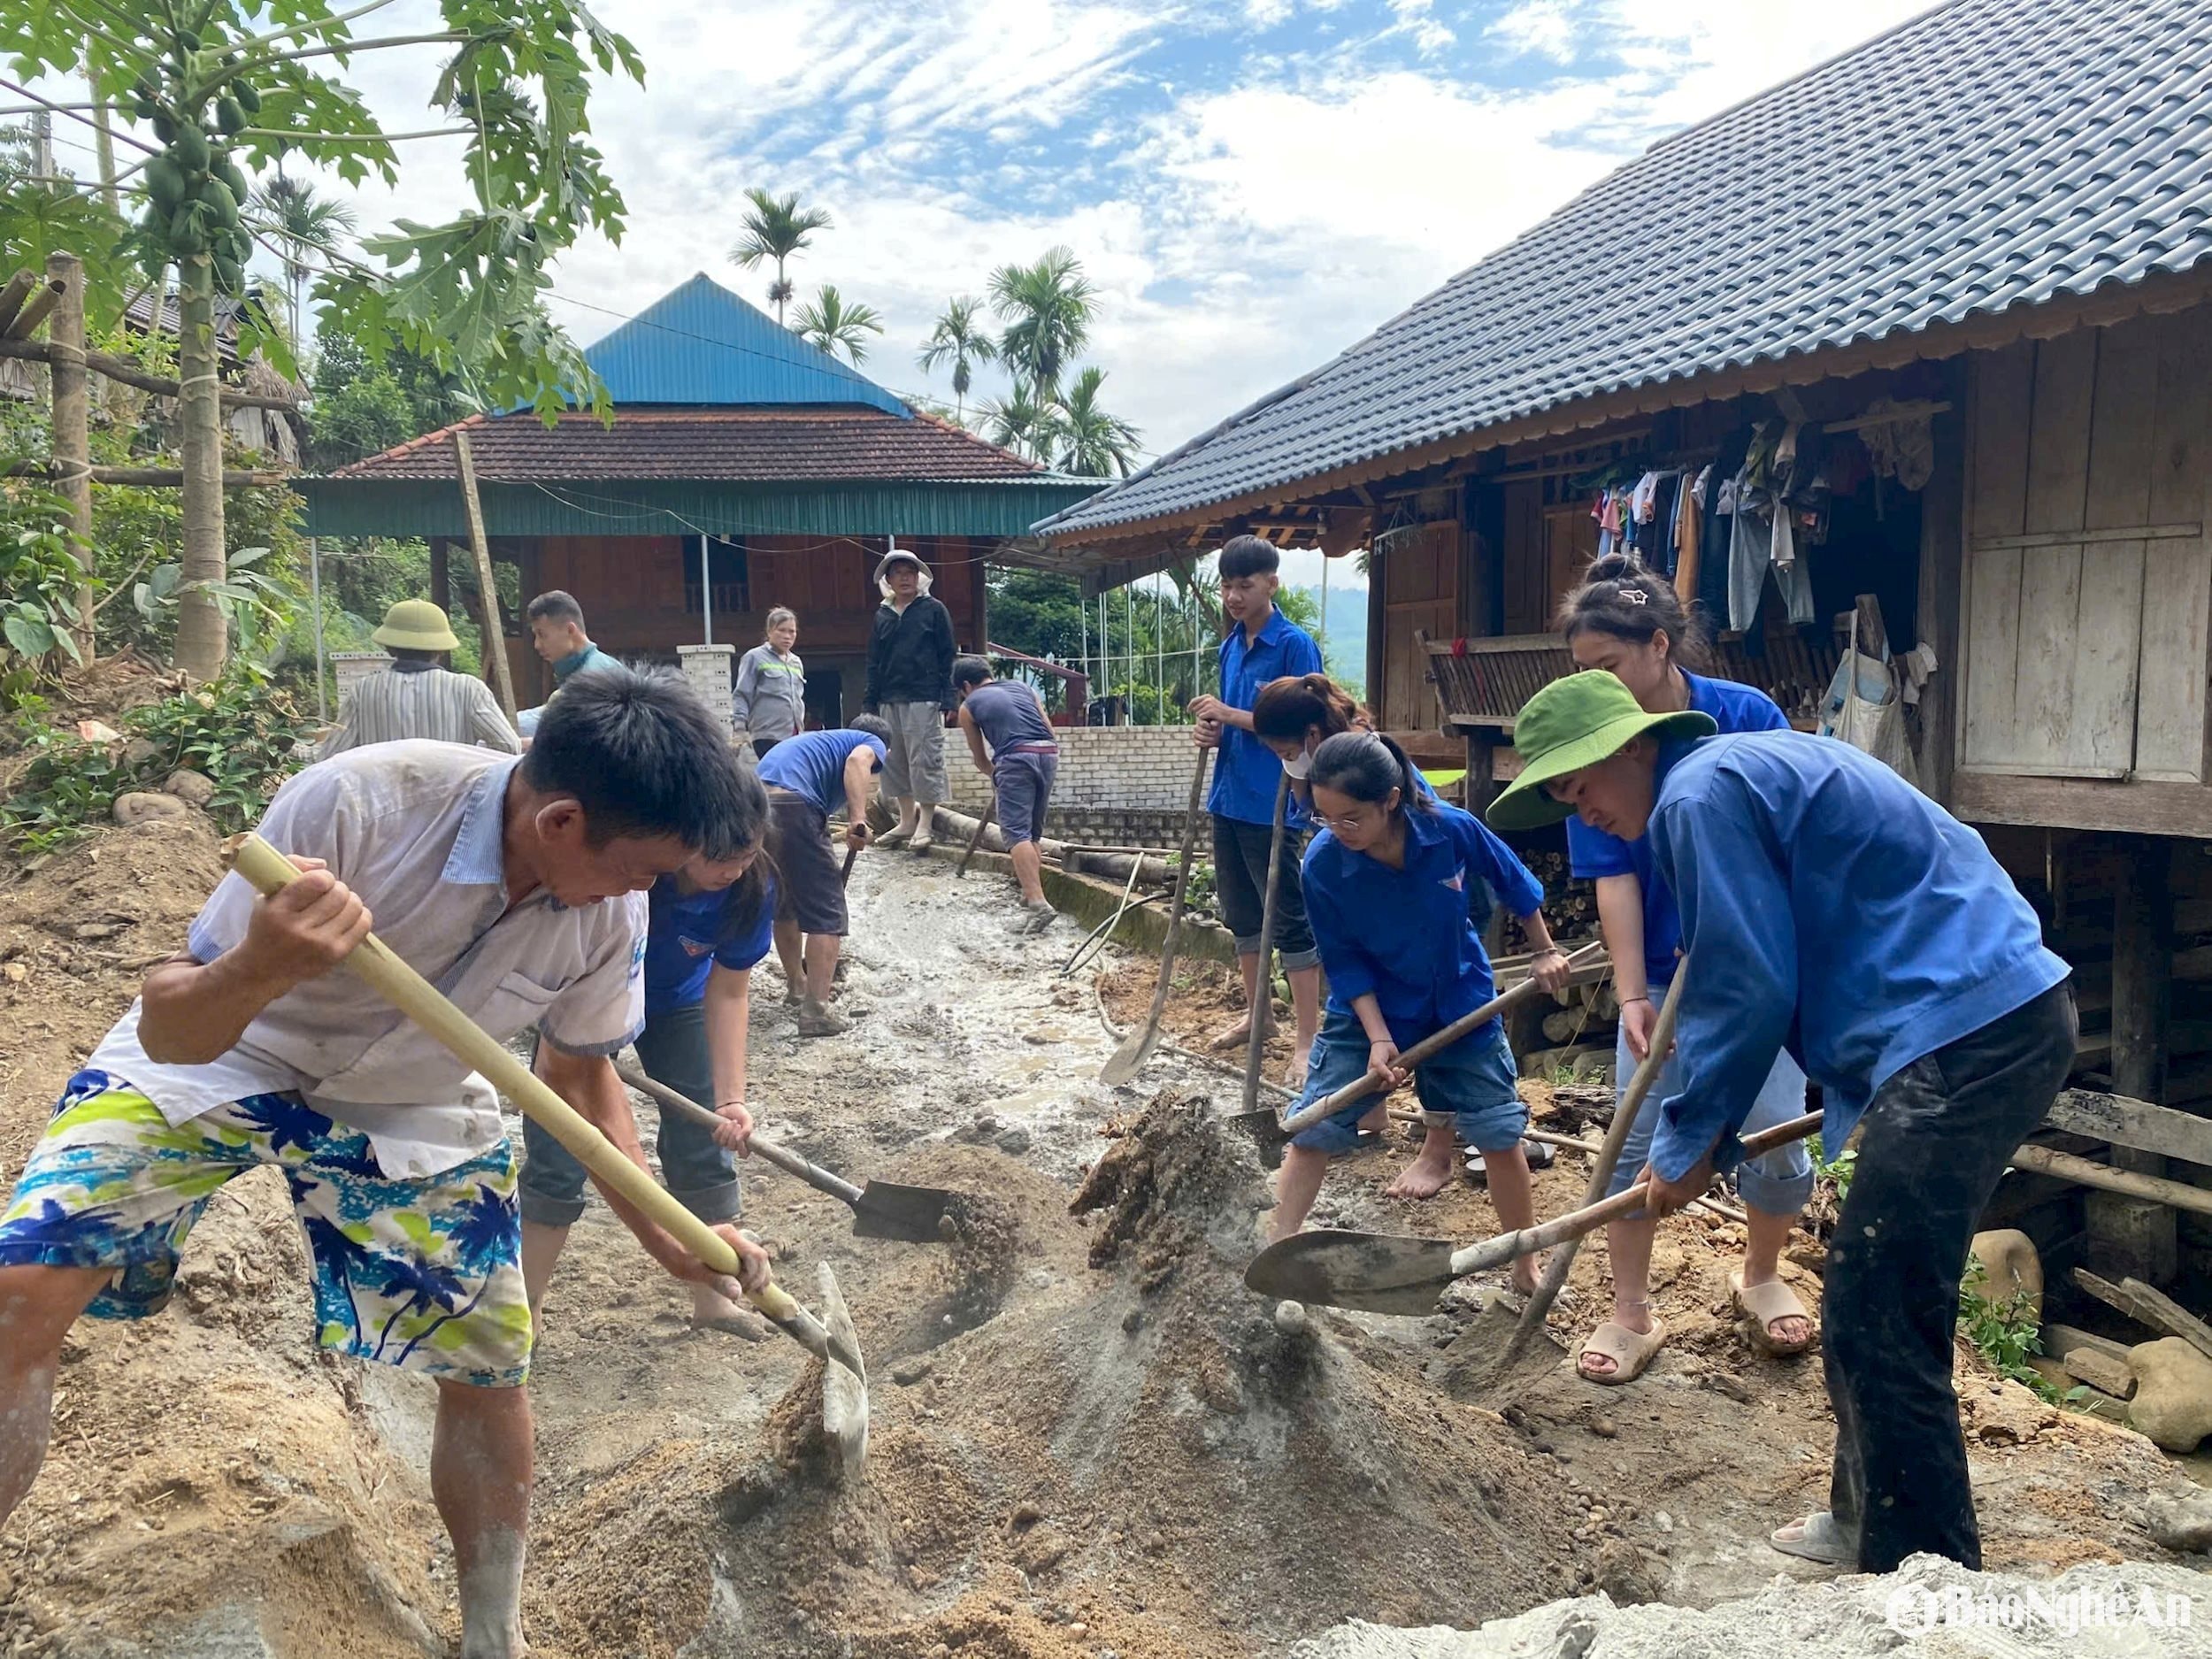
1300, 768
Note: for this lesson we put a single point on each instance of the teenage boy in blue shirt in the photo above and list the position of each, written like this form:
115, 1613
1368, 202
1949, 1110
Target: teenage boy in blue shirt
1263, 645
1828, 907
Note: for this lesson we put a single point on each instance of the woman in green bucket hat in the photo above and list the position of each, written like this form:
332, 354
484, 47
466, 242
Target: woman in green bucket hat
1829, 908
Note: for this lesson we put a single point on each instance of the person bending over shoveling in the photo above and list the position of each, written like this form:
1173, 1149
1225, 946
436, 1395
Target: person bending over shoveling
1384, 883
1830, 908
806, 776
514, 885
1021, 760
709, 926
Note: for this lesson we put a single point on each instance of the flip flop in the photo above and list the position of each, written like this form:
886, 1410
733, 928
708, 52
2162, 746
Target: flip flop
1630, 1351
1764, 1304
1819, 1538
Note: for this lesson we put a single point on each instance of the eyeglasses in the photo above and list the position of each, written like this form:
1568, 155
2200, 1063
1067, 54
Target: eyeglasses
1350, 821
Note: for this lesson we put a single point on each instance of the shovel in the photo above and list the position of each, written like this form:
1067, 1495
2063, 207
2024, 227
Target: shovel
845, 875
1305, 1117
270, 872
976, 840
881, 1209
1126, 1061
1382, 1273
1253, 1116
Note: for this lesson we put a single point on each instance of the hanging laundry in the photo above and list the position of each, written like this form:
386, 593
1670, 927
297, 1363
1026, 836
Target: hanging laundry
1764, 537
1904, 448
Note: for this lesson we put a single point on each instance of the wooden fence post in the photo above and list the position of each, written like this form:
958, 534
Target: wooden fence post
494, 637
73, 424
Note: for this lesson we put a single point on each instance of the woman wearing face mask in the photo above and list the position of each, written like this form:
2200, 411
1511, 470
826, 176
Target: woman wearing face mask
709, 925
1626, 621
1402, 966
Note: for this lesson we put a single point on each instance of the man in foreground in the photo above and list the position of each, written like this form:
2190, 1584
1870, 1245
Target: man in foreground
1830, 907
514, 884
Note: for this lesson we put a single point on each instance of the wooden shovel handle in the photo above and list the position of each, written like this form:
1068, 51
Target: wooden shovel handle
270, 872
990, 810
1497, 1251
1182, 886
789, 1162
1375, 1081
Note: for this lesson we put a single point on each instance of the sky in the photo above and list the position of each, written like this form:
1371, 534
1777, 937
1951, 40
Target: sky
1252, 184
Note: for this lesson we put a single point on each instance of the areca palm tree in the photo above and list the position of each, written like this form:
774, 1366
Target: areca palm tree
830, 323
776, 228
1020, 421
959, 336
300, 222
1089, 441
1047, 308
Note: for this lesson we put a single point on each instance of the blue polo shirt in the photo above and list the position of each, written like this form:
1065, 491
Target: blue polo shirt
813, 765
1592, 853
683, 943
1246, 771
579, 662
1404, 936
1830, 908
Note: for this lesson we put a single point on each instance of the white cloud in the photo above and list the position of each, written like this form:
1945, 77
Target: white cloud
1542, 27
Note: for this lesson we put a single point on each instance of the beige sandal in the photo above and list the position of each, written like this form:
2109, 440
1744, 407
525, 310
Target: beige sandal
1764, 1305
1630, 1351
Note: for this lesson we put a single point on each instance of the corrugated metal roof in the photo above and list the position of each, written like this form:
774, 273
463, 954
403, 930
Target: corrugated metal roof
428, 507
1989, 155
755, 445
700, 344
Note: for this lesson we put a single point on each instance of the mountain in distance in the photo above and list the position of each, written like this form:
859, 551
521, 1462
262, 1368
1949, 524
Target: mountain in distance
1344, 640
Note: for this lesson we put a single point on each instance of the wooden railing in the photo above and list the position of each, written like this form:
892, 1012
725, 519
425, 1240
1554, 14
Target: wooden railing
1483, 683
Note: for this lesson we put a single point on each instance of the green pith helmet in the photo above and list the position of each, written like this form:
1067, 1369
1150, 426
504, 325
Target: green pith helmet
1571, 724
416, 625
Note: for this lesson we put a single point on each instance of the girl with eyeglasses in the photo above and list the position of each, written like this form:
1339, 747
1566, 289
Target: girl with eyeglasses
1385, 884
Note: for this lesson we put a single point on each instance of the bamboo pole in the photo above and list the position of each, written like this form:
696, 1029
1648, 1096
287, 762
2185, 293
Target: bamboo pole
146, 477
73, 427
33, 313
2087, 1172
501, 675
128, 373
12, 298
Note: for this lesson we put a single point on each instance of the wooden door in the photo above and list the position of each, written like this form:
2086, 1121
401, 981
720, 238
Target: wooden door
2088, 569
1420, 584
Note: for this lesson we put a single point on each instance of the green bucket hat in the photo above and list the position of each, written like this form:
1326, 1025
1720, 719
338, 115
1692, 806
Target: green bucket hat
416, 625
1571, 724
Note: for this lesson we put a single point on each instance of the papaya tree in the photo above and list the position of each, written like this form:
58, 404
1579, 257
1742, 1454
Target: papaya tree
218, 90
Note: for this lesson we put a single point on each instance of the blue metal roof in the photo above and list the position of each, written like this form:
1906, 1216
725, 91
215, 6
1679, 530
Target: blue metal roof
1986, 155
701, 344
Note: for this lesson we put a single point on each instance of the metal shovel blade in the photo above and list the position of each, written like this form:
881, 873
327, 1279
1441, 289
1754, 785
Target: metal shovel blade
1376, 1272
919, 1215
844, 1386
1128, 1060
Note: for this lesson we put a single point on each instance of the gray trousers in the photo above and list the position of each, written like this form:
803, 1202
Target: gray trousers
915, 768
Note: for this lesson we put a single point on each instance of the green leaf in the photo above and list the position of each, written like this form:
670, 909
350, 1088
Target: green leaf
246, 556
28, 635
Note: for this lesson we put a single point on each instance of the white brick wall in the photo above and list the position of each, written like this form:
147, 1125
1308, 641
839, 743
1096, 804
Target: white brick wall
1120, 785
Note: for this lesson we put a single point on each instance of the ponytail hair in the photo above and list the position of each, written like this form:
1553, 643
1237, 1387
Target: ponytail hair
1287, 708
1367, 766
1622, 597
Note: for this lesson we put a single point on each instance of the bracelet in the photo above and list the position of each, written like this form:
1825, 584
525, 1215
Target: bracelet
1625, 1001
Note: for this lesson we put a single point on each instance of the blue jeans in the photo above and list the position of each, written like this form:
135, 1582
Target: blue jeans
1470, 1084
699, 1175
1776, 1183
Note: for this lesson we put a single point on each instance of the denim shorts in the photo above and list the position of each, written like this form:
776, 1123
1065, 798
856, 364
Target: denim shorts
1022, 781
1470, 1085
1777, 1183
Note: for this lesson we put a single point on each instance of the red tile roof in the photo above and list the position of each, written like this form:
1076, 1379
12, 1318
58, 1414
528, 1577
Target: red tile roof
746, 445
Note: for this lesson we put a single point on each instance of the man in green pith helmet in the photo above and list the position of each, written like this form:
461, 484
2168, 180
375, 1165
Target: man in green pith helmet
419, 696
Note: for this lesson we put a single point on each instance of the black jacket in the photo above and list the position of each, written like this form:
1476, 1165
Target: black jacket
909, 654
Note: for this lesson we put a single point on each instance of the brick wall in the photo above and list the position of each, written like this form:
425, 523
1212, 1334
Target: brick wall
1119, 786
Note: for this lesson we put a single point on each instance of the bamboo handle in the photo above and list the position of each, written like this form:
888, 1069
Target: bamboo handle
1305, 1118
270, 872
789, 1162
1263, 997
990, 809
1497, 1251
1182, 885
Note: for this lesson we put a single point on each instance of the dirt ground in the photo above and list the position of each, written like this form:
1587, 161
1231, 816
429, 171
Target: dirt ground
1089, 1438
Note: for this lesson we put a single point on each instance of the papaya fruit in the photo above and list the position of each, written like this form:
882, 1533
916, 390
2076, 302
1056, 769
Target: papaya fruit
222, 207
249, 99
187, 230
230, 173
230, 115
191, 149
164, 184
230, 276
164, 126
188, 40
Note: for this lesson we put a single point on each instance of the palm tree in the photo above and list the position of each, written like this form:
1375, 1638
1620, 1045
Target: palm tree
300, 222
959, 336
1021, 421
833, 325
1091, 443
1047, 308
776, 230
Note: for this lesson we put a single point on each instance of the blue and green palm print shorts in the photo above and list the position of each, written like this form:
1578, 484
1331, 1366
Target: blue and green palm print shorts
426, 1275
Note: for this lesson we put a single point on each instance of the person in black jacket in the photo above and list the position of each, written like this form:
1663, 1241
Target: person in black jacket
910, 684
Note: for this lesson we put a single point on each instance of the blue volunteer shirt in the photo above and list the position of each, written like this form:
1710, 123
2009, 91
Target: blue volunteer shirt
813, 765
1245, 768
1830, 907
1404, 936
681, 949
1592, 853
